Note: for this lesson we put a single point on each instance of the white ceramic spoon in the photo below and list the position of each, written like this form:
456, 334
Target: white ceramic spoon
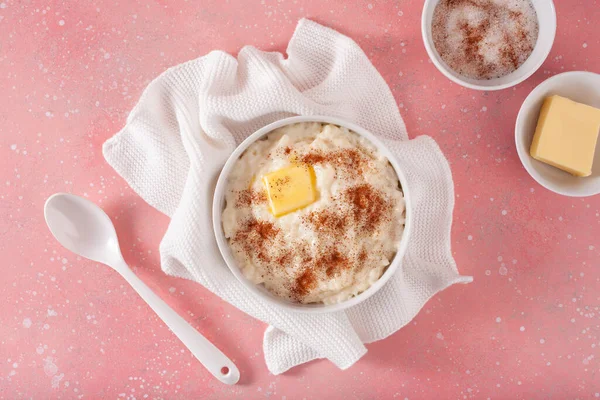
85, 229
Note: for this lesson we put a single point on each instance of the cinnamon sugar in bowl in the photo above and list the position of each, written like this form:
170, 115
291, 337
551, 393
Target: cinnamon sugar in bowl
488, 44
345, 231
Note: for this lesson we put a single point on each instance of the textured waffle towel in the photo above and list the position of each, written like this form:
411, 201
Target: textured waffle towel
190, 119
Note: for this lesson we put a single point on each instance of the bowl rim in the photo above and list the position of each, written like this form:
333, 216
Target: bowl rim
224, 249
523, 153
432, 53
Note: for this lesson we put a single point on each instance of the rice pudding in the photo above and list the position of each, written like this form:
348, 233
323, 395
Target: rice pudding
313, 212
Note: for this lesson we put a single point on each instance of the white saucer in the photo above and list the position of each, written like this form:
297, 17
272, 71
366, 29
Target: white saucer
579, 86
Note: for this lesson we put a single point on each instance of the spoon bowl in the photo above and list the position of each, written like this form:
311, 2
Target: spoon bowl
82, 227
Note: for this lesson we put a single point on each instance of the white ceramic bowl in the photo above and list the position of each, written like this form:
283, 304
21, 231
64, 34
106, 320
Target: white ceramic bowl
583, 87
547, 29
259, 290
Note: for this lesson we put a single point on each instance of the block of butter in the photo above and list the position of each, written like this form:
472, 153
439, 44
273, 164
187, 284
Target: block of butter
290, 189
566, 135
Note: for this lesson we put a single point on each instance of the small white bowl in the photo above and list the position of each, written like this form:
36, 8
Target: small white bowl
547, 29
579, 86
259, 290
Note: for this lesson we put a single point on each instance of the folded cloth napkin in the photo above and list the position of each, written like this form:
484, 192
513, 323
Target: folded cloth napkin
189, 120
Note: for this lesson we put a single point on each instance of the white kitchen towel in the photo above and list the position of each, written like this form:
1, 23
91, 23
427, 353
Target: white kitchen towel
190, 119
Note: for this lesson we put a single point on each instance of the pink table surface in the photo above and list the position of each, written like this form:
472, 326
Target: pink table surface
528, 327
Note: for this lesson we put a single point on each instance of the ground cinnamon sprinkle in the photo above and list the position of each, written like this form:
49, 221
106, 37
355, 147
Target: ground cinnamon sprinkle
472, 40
248, 197
362, 256
509, 54
284, 259
326, 221
281, 182
313, 158
332, 262
368, 206
256, 237
266, 230
347, 160
303, 284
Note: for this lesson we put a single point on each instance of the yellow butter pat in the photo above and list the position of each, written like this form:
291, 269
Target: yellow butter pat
566, 135
290, 189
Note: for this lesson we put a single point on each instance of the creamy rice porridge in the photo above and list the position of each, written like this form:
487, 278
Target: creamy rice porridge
313, 212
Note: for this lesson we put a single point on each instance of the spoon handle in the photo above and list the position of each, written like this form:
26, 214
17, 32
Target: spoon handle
207, 353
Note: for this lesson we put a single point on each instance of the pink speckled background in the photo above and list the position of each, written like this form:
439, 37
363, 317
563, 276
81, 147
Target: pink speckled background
528, 327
